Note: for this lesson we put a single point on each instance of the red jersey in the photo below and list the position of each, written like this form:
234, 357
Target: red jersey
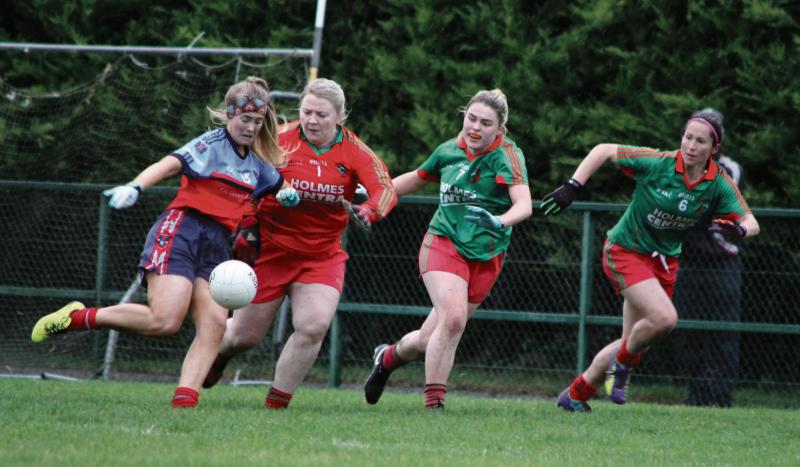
315, 226
217, 181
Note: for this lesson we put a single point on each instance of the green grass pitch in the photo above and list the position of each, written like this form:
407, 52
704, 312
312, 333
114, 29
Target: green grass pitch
127, 423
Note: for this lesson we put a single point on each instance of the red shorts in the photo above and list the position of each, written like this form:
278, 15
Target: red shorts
276, 268
625, 268
437, 253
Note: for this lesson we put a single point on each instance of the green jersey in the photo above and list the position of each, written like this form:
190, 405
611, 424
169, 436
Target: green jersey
478, 180
665, 206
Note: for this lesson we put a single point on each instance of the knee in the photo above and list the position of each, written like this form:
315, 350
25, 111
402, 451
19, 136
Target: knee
211, 327
312, 333
165, 324
243, 339
665, 320
454, 323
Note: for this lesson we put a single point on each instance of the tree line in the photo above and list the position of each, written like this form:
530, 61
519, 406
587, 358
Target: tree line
576, 73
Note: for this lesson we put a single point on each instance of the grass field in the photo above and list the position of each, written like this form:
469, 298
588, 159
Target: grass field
123, 423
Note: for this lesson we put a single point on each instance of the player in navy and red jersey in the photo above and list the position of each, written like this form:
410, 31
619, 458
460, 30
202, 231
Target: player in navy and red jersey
675, 190
220, 169
301, 251
483, 193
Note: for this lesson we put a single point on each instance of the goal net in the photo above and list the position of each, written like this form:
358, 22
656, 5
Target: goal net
58, 151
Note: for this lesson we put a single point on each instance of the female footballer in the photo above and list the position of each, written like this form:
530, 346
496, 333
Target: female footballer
220, 170
483, 191
674, 191
300, 252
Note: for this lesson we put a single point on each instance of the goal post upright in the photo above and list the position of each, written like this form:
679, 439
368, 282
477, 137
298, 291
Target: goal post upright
319, 24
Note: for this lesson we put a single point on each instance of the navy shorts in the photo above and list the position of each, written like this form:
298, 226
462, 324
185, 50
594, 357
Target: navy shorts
185, 243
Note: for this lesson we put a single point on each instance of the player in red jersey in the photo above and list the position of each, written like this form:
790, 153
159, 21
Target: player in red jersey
675, 190
220, 169
301, 251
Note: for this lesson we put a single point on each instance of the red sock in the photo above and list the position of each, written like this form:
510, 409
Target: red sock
185, 398
277, 399
83, 320
626, 358
391, 360
581, 390
434, 395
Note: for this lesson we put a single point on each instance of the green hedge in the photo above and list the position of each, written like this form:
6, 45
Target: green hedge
576, 74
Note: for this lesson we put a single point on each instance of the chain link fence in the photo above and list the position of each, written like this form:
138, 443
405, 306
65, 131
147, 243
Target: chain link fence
550, 311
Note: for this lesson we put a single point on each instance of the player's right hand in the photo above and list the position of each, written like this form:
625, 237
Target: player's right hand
123, 196
247, 240
560, 198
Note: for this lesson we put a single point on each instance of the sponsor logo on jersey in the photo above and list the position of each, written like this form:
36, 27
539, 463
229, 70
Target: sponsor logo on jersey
325, 192
666, 220
450, 194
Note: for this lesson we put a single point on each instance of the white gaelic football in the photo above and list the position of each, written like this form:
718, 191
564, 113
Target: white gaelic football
233, 284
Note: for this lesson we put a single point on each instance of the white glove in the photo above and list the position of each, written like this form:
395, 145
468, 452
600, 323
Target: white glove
123, 196
288, 197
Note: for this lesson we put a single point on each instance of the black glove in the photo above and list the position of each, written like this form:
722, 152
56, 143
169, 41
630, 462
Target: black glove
727, 228
359, 215
553, 203
247, 241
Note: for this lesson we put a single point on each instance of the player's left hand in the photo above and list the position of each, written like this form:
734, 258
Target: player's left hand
484, 218
358, 215
288, 197
247, 240
728, 228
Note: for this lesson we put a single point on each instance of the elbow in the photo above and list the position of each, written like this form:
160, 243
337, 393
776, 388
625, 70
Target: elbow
528, 211
753, 229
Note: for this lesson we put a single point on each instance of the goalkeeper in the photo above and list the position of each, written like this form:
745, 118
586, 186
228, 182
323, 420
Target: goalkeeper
675, 190
483, 190
299, 252
219, 169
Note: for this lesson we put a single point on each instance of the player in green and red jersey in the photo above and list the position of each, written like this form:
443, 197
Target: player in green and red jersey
300, 253
674, 191
483, 191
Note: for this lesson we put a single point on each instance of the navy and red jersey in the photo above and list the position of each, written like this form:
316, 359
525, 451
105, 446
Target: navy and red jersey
322, 178
217, 181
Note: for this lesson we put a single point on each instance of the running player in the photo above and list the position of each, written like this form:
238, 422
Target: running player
301, 251
674, 191
483, 180
220, 170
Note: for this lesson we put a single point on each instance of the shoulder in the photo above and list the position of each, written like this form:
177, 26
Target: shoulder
210, 137
350, 139
198, 146
449, 145
510, 148
641, 152
289, 130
